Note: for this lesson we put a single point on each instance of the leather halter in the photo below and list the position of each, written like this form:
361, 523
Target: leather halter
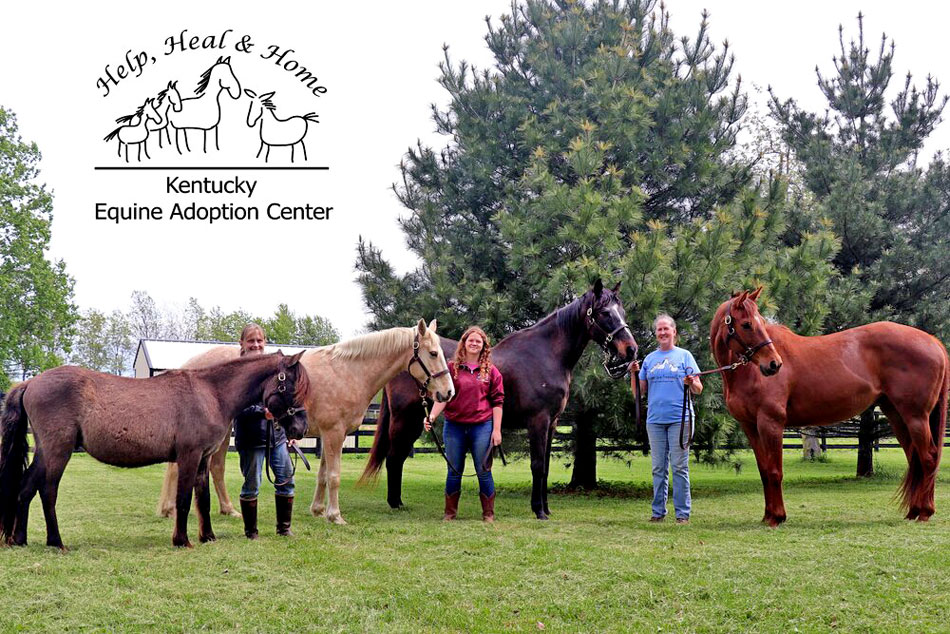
281, 388
614, 371
731, 333
423, 386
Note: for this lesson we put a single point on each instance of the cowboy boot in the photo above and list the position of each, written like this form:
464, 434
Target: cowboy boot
249, 512
451, 506
285, 509
488, 507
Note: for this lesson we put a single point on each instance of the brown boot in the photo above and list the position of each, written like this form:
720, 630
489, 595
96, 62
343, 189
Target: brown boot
249, 513
488, 507
285, 510
451, 506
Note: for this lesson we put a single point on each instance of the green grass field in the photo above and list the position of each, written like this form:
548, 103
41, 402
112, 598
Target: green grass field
844, 561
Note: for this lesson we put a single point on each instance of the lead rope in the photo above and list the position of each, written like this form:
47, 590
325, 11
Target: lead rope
486, 465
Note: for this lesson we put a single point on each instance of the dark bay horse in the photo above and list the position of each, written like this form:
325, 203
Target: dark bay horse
536, 364
179, 416
804, 381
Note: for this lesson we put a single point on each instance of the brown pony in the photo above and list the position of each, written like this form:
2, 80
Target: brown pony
803, 381
179, 416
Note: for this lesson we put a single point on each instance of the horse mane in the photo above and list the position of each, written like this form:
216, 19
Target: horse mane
127, 118
269, 104
160, 97
373, 344
203, 82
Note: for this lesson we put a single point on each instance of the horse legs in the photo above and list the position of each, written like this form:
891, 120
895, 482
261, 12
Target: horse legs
333, 452
394, 465
187, 475
216, 139
184, 133
267, 156
145, 147
547, 466
204, 142
260, 149
292, 153
765, 436
166, 501
177, 145
33, 479
203, 502
538, 441
218, 458
55, 464
318, 507
304, 148
917, 489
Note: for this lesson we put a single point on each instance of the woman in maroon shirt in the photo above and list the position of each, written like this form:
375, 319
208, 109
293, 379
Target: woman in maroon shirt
472, 420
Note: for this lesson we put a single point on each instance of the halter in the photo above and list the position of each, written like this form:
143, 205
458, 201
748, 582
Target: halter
281, 388
613, 371
291, 411
686, 438
423, 386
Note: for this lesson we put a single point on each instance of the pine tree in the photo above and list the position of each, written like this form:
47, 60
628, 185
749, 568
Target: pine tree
891, 214
597, 146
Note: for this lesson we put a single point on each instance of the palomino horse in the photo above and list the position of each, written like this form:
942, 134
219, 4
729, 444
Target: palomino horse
177, 416
537, 365
803, 381
203, 111
346, 376
134, 130
276, 132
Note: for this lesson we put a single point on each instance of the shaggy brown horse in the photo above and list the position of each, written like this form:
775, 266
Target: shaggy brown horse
350, 374
178, 416
804, 381
537, 364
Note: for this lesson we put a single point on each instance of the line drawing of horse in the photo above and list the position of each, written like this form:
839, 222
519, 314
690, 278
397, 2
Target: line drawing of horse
134, 133
274, 130
173, 103
203, 111
349, 374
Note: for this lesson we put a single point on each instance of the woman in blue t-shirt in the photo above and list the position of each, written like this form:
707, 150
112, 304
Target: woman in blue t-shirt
662, 375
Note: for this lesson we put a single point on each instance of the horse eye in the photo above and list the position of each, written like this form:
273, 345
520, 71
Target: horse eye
433, 354
747, 326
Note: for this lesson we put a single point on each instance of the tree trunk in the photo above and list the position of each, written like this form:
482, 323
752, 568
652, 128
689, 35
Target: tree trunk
585, 455
811, 444
866, 444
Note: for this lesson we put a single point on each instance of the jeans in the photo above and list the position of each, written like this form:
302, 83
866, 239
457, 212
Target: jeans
460, 438
252, 461
665, 449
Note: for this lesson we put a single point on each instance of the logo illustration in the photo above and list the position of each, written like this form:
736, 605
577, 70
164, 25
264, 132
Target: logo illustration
274, 130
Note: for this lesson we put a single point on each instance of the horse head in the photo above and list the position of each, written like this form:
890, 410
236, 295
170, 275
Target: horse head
428, 366
256, 109
607, 325
174, 97
740, 328
286, 392
149, 111
227, 80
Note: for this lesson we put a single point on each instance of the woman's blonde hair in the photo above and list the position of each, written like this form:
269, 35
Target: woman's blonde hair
667, 317
484, 357
247, 331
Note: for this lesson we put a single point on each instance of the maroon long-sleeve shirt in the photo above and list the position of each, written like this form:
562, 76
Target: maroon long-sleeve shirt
474, 398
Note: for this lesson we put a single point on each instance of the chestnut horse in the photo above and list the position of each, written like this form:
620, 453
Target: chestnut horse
177, 416
346, 377
804, 381
536, 364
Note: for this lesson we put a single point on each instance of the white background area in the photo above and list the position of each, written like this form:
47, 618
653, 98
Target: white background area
378, 61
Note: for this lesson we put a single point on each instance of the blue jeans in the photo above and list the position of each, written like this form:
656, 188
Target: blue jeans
460, 438
252, 461
665, 449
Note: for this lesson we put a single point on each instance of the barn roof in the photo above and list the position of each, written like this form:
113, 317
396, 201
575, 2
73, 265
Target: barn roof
159, 355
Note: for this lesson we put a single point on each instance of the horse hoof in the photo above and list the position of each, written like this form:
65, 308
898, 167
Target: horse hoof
337, 519
542, 515
316, 511
207, 538
232, 513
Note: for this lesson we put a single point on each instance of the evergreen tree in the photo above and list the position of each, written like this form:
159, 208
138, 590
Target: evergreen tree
860, 161
597, 146
35, 293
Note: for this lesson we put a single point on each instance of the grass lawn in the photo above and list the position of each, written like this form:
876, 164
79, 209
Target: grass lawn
845, 560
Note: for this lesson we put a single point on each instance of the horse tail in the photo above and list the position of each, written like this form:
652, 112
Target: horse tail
112, 134
312, 116
380, 448
938, 417
13, 456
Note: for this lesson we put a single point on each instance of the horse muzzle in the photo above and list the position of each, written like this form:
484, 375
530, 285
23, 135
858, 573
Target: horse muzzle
770, 369
443, 398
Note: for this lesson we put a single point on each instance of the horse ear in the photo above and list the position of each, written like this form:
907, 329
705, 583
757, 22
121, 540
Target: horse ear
294, 360
433, 325
421, 326
598, 287
268, 95
744, 295
754, 295
616, 288
250, 93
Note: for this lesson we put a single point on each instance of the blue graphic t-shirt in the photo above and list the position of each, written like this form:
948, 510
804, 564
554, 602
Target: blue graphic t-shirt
664, 372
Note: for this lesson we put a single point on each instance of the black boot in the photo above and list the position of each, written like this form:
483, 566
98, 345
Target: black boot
249, 512
285, 510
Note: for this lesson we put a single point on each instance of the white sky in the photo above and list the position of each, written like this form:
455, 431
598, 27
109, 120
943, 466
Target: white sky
379, 64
